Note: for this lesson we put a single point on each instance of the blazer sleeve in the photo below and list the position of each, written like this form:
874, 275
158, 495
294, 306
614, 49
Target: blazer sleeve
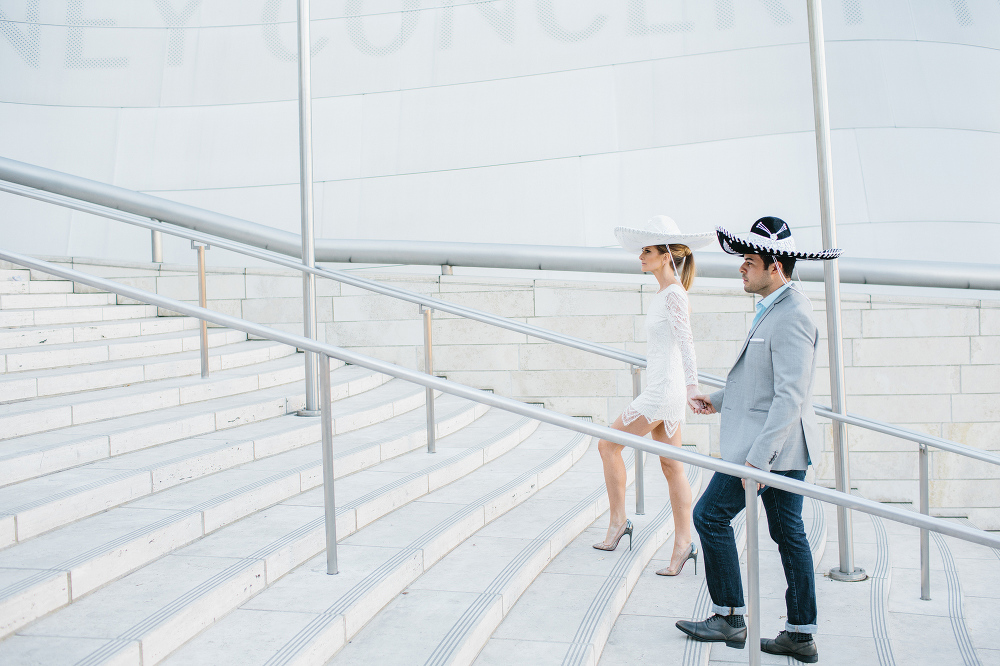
792, 346
716, 399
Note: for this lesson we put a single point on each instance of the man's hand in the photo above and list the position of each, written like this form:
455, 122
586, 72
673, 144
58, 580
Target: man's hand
700, 403
759, 485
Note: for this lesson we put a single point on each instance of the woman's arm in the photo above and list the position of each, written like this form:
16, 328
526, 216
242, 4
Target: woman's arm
680, 323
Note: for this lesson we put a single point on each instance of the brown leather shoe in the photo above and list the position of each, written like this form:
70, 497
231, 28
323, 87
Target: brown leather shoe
715, 630
785, 645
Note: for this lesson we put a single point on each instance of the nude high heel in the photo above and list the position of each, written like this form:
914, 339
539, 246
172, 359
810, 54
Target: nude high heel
692, 555
626, 529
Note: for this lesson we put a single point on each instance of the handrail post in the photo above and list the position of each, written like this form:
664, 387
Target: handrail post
203, 302
306, 203
640, 477
925, 546
831, 279
429, 369
329, 500
156, 245
753, 573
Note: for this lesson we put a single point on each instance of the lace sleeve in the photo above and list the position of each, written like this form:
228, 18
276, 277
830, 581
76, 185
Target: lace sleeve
680, 324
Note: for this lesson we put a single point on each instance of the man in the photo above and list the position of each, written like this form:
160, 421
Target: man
768, 423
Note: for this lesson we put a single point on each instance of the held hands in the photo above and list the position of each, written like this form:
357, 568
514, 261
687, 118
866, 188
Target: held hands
699, 403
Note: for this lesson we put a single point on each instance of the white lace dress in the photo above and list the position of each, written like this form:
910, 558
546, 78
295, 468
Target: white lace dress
671, 364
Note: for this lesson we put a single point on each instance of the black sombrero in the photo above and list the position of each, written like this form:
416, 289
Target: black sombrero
771, 236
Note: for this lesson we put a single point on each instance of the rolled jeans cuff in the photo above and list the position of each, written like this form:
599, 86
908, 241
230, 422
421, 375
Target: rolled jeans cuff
801, 628
730, 610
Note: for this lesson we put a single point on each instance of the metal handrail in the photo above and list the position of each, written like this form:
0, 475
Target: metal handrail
954, 275
464, 311
509, 404
280, 254
326, 351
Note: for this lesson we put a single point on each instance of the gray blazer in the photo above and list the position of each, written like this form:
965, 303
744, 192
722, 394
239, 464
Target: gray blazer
766, 405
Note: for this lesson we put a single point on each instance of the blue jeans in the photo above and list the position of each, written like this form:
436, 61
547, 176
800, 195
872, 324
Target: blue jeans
722, 500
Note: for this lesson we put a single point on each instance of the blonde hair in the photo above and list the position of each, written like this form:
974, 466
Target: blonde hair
683, 261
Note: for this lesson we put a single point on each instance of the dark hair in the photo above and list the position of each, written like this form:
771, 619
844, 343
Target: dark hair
787, 263
684, 261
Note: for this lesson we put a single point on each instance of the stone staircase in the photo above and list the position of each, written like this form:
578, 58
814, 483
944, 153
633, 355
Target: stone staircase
149, 516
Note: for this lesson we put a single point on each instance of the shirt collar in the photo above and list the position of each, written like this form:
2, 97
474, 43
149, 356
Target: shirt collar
765, 302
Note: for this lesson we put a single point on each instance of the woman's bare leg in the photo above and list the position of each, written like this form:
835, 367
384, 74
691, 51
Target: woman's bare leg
615, 474
680, 496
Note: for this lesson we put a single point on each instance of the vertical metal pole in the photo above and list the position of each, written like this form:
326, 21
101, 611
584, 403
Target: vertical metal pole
753, 574
156, 240
831, 279
203, 302
429, 369
640, 455
306, 203
329, 501
925, 540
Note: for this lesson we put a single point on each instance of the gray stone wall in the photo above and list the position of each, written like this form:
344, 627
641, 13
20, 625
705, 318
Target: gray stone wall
932, 365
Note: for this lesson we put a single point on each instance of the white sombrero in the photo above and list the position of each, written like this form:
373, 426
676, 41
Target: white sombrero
660, 230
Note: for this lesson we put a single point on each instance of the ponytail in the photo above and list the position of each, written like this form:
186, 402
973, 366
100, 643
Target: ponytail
684, 261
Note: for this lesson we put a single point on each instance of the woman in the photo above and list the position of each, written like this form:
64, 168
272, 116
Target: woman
671, 380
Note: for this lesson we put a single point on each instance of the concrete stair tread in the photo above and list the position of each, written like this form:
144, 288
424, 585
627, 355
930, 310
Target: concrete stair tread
36, 454
21, 359
35, 336
41, 504
566, 614
24, 286
449, 612
950, 626
74, 314
383, 441
94, 551
226, 352
645, 628
44, 301
377, 562
172, 382
290, 426
128, 607
41, 414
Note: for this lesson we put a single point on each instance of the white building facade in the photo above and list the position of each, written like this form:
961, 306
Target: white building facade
534, 121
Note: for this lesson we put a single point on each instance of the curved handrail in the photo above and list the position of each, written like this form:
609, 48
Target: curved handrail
466, 312
917, 520
487, 255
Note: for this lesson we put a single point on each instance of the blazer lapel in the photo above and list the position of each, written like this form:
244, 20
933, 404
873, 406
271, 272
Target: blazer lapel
746, 342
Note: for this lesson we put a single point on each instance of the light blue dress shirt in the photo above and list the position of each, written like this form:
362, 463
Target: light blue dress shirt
765, 303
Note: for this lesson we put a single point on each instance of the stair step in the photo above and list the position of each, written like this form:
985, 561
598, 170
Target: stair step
64, 300
15, 274
18, 286
448, 614
15, 338
74, 315
43, 414
566, 614
74, 354
47, 502
645, 628
164, 604
34, 455
39, 576
380, 560
227, 350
